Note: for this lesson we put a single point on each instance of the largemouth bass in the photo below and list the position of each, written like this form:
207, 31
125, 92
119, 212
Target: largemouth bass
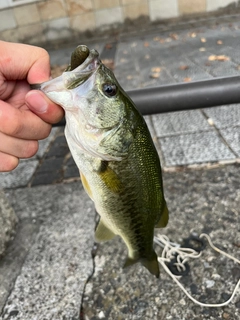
113, 149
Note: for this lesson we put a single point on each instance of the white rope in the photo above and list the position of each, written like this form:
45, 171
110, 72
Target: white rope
173, 250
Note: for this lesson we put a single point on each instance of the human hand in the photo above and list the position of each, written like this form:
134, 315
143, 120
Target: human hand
25, 115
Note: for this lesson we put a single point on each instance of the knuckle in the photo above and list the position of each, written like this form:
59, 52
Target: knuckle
30, 149
46, 132
16, 129
8, 162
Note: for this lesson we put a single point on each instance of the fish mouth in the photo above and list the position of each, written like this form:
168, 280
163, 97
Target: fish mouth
73, 78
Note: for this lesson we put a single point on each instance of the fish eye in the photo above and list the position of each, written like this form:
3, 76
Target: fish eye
109, 89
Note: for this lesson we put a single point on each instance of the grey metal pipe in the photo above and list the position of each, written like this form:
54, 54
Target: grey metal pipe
190, 95
185, 96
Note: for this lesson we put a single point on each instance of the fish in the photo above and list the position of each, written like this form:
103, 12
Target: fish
112, 147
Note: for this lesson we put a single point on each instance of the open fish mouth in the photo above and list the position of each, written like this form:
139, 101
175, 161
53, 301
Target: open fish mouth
84, 63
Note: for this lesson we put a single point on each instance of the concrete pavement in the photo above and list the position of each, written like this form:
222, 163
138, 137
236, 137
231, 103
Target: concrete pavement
54, 270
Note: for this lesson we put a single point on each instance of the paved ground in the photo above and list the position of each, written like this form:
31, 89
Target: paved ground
47, 266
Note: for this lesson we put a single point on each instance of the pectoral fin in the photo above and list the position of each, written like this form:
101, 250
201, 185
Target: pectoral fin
109, 177
86, 185
163, 221
103, 233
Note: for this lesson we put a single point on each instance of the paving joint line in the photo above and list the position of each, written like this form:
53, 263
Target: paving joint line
93, 254
220, 135
202, 166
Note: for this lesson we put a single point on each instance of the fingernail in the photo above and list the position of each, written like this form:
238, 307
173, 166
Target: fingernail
36, 102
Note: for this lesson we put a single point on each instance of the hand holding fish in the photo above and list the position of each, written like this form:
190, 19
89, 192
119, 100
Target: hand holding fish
25, 116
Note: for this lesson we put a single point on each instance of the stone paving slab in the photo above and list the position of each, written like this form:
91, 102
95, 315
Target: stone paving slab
232, 137
199, 201
59, 222
224, 116
8, 221
194, 148
180, 122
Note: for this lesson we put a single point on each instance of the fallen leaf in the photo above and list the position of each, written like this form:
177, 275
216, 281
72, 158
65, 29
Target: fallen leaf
146, 44
147, 56
109, 63
156, 69
187, 79
238, 67
193, 35
183, 67
129, 77
108, 46
219, 42
202, 49
214, 57
203, 40
236, 244
174, 36
155, 75
156, 39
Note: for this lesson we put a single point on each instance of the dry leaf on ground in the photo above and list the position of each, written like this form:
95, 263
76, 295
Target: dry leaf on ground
109, 63
192, 35
108, 46
183, 67
174, 36
146, 44
214, 57
187, 79
155, 75
219, 42
58, 70
203, 40
156, 69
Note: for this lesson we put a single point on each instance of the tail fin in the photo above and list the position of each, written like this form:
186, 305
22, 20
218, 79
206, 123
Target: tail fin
151, 263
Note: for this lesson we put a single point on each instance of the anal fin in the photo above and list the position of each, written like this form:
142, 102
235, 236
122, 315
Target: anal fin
103, 233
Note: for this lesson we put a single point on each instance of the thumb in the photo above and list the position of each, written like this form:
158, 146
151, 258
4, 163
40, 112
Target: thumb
47, 110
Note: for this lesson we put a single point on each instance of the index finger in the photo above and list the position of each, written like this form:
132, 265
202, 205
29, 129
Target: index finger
22, 123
